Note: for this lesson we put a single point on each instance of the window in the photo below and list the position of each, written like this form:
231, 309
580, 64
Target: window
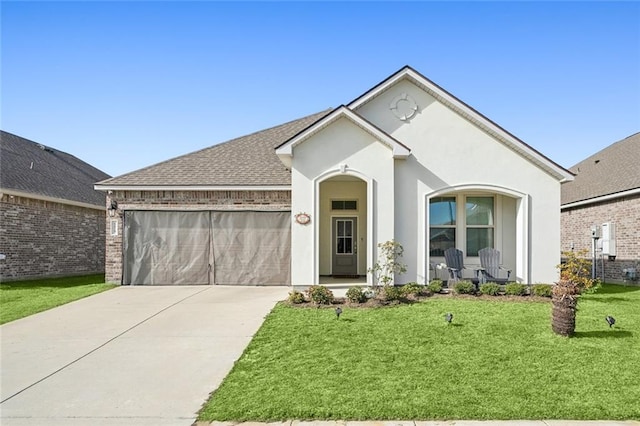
442, 225
344, 205
114, 228
344, 236
479, 224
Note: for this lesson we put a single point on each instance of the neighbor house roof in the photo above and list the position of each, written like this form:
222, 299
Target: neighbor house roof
28, 168
614, 171
242, 162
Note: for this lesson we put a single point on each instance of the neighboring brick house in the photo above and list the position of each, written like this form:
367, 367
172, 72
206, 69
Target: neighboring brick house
51, 219
606, 190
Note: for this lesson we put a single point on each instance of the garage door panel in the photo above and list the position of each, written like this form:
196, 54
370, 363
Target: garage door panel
166, 247
251, 248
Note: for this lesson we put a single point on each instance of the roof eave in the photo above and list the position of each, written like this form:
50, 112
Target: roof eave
107, 187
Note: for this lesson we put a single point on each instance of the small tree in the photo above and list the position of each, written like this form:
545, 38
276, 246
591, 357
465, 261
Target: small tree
575, 279
385, 269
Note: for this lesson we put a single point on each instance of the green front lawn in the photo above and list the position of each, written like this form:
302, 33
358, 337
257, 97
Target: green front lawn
23, 298
497, 360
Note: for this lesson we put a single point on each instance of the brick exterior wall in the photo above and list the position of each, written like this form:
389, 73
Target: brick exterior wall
624, 212
48, 239
180, 201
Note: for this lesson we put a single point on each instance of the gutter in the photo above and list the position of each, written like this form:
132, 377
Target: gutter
601, 198
107, 187
15, 193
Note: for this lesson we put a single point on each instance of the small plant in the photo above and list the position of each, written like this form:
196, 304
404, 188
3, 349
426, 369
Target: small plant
435, 286
515, 289
577, 270
385, 269
542, 290
391, 293
296, 297
320, 295
412, 289
491, 289
356, 295
464, 287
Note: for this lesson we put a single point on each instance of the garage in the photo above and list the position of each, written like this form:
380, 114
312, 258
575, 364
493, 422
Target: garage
207, 247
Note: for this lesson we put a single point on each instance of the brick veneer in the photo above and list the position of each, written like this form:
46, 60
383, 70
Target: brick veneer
47, 239
624, 212
181, 201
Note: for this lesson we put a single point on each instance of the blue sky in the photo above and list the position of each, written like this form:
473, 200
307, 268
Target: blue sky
123, 85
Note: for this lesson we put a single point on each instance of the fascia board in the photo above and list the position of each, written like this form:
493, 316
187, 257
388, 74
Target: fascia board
22, 194
99, 187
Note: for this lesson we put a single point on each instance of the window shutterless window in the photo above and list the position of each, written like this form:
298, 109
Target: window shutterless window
479, 214
344, 205
442, 225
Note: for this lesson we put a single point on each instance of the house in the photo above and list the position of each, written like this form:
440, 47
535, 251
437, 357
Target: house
314, 197
51, 218
605, 197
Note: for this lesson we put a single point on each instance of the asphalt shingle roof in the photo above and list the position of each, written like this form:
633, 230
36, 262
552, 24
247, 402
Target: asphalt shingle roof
612, 170
33, 168
245, 161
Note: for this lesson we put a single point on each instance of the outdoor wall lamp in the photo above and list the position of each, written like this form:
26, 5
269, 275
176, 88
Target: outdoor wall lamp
112, 208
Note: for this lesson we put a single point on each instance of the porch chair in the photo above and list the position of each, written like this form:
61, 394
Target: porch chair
455, 265
490, 268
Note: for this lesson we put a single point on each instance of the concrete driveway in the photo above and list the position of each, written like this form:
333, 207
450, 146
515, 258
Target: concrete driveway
129, 356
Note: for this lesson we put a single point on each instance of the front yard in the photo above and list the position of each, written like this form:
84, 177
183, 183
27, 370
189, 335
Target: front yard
23, 298
496, 360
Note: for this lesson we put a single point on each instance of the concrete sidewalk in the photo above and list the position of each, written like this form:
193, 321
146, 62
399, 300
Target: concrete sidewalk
434, 423
129, 356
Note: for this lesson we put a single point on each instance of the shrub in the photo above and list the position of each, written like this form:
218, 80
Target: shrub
577, 270
515, 289
296, 297
320, 295
391, 293
356, 295
412, 289
491, 289
435, 286
389, 265
464, 287
542, 290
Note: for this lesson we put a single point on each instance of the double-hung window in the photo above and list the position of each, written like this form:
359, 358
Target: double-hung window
442, 225
479, 215
474, 230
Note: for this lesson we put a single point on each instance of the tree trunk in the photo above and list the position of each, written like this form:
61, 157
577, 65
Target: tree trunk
564, 305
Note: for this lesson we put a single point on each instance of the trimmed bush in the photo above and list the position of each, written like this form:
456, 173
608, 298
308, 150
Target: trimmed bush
391, 293
356, 295
515, 289
412, 289
542, 290
491, 289
464, 287
320, 295
435, 286
296, 297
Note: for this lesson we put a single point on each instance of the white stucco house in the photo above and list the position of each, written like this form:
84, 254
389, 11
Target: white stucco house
406, 161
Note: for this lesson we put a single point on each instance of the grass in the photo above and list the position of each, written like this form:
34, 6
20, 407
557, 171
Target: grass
23, 298
497, 360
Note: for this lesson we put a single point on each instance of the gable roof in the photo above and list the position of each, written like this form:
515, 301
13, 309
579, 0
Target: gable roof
398, 149
246, 161
614, 170
470, 114
29, 168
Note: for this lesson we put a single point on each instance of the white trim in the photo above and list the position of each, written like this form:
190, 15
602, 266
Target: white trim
370, 212
601, 198
51, 199
468, 113
106, 187
285, 151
